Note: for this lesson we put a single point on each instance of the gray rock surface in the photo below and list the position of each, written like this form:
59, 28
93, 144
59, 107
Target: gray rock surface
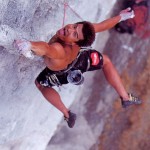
27, 121
102, 124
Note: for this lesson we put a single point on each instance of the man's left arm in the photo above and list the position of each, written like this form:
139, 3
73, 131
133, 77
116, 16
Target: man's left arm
109, 23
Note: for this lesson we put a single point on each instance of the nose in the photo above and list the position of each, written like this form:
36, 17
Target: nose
71, 30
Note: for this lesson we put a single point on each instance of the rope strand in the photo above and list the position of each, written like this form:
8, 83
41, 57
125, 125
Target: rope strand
75, 13
65, 8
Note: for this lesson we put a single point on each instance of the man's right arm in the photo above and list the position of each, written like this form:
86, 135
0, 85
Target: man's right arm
28, 48
40, 48
54, 50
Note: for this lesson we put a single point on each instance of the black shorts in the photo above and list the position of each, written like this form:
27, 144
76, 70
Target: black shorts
88, 60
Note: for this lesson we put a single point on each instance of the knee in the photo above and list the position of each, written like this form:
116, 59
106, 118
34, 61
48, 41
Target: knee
106, 60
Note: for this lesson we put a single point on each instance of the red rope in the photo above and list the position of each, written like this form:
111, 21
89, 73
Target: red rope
75, 12
65, 7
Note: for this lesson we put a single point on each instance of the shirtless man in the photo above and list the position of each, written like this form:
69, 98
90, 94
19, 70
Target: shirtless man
61, 56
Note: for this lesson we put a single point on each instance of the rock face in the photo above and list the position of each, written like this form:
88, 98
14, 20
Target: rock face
102, 124
25, 117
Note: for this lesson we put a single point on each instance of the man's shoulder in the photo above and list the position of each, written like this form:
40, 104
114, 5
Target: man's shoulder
55, 42
58, 49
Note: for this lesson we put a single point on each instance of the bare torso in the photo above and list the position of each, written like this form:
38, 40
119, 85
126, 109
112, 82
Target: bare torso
60, 64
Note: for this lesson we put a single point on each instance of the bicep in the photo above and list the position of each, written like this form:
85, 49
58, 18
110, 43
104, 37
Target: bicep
40, 48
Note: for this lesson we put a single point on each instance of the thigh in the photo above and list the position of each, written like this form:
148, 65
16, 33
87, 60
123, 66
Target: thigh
106, 59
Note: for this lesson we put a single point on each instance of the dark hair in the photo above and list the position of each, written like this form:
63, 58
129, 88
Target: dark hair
88, 34
122, 27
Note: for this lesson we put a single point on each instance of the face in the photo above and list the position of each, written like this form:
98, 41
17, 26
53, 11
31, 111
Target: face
71, 33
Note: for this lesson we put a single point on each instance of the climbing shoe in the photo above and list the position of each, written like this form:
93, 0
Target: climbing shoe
132, 100
71, 120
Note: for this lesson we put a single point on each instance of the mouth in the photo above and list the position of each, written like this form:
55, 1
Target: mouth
62, 32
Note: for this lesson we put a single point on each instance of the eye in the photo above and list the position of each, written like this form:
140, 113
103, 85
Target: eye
75, 34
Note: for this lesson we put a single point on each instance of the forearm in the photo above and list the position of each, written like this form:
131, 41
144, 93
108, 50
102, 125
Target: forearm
39, 48
29, 48
107, 24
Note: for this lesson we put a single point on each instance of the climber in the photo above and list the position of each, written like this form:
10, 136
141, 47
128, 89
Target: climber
65, 63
